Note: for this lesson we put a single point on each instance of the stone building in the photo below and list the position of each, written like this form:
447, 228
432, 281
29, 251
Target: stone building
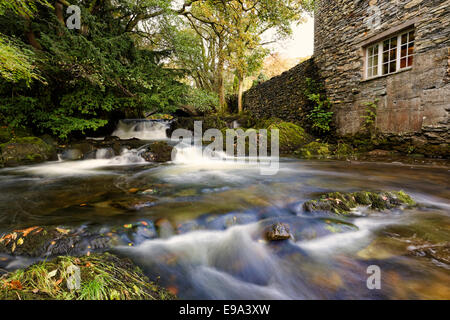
395, 53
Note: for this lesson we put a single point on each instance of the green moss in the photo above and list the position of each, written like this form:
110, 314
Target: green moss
25, 150
102, 277
405, 198
344, 203
291, 135
344, 150
315, 150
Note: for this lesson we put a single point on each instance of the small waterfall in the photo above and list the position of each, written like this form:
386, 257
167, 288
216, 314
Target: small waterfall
142, 129
188, 154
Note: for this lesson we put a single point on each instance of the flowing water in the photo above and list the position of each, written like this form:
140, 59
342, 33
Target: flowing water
212, 213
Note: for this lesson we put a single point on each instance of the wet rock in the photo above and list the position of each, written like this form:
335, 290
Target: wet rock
437, 252
344, 203
379, 153
315, 150
101, 277
71, 154
26, 150
278, 232
158, 152
164, 228
51, 241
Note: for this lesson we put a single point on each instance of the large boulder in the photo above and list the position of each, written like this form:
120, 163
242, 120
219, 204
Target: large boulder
26, 150
292, 136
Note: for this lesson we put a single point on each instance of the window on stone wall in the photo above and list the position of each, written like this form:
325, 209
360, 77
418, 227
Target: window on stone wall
390, 55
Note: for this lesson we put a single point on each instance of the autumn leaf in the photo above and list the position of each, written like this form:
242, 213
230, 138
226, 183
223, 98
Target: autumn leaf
63, 231
25, 232
15, 285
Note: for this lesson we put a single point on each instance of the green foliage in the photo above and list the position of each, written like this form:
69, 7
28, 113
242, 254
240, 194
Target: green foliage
89, 74
320, 116
203, 101
370, 116
16, 64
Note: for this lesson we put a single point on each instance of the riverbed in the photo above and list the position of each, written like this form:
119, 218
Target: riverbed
214, 212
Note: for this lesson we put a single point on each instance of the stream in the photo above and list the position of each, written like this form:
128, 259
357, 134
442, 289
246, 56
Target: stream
211, 215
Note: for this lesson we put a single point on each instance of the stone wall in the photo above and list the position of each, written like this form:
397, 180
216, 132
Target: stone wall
282, 96
413, 104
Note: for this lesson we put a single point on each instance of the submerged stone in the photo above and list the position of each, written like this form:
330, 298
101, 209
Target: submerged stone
278, 232
344, 203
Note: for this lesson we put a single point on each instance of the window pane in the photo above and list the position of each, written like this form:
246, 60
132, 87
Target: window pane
394, 42
393, 66
403, 63
411, 36
375, 61
375, 70
393, 54
370, 63
385, 68
410, 49
386, 56
386, 45
410, 61
404, 38
403, 51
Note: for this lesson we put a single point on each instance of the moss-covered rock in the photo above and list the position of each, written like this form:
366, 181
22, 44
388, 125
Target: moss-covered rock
26, 150
344, 203
315, 150
291, 135
101, 277
344, 150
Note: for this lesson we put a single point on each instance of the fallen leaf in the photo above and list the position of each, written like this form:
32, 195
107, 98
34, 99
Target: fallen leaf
35, 290
63, 231
57, 283
25, 232
51, 274
20, 242
128, 226
13, 248
133, 190
15, 285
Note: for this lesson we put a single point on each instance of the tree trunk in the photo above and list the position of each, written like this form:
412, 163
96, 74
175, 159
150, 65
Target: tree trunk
60, 15
220, 81
30, 35
240, 93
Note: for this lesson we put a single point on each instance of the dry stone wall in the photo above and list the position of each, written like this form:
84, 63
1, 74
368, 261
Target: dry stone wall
282, 96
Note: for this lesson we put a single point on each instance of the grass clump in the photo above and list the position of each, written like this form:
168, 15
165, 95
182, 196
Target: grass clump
101, 277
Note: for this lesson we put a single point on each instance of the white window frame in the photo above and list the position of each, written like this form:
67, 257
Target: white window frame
368, 48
